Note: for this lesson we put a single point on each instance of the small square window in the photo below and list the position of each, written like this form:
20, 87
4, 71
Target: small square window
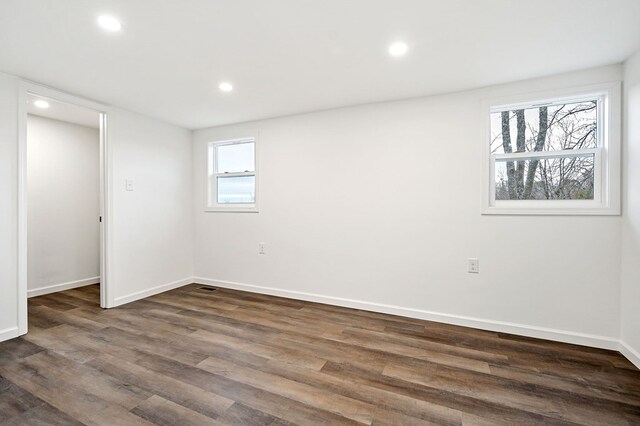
232, 175
554, 155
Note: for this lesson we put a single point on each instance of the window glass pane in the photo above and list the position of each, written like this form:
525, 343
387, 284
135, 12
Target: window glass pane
545, 128
567, 178
234, 190
236, 158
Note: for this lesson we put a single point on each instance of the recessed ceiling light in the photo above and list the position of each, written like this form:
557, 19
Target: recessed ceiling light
225, 86
41, 103
398, 48
109, 23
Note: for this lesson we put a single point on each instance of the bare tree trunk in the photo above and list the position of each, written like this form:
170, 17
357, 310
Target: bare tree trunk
520, 147
540, 140
506, 146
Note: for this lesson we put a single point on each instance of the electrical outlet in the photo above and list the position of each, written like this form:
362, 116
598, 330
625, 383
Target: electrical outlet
474, 266
262, 247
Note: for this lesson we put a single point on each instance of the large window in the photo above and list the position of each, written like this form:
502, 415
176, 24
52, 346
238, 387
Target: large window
555, 155
232, 175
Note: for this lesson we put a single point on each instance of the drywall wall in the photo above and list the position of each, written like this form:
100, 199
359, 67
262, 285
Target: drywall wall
63, 205
631, 212
151, 226
8, 207
378, 207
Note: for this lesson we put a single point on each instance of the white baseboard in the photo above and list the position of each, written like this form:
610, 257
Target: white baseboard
151, 291
9, 333
630, 354
483, 324
63, 286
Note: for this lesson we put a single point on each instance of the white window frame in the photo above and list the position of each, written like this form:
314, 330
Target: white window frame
212, 178
606, 199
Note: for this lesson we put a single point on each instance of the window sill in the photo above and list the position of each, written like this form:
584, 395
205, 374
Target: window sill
596, 211
231, 210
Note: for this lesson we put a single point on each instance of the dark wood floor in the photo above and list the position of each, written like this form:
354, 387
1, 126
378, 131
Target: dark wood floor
192, 356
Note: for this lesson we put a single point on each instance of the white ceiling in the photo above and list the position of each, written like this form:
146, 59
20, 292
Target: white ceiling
64, 112
292, 56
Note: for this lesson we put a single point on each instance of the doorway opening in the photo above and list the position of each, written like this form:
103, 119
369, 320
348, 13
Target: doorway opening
62, 199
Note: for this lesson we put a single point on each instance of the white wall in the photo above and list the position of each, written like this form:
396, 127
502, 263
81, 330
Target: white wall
63, 205
631, 212
378, 206
151, 242
8, 207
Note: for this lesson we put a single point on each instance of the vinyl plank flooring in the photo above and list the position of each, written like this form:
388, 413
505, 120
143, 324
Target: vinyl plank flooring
271, 403
66, 318
15, 350
294, 390
469, 404
266, 351
543, 400
163, 412
386, 405
73, 400
387, 346
14, 400
240, 414
42, 415
192, 356
188, 396
51, 340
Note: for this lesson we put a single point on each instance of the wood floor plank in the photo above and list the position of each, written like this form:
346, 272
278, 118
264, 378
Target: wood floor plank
303, 344
427, 345
39, 319
83, 340
196, 356
484, 409
240, 414
67, 318
566, 384
504, 392
313, 345
393, 405
53, 302
16, 349
195, 399
297, 391
14, 400
163, 412
509, 345
71, 400
263, 401
51, 341
128, 320
409, 351
87, 293
267, 402
71, 299
203, 300
73, 375
289, 356
42, 415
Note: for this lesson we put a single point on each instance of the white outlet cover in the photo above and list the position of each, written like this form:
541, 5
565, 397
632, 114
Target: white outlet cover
473, 266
